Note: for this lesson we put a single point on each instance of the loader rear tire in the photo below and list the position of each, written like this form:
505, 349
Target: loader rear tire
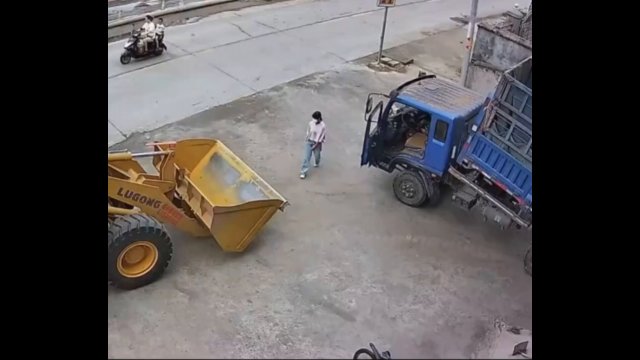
139, 251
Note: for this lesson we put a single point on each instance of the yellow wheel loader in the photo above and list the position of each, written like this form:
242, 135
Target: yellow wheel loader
201, 187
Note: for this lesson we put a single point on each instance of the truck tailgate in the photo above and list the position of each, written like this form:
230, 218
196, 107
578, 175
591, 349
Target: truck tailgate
499, 166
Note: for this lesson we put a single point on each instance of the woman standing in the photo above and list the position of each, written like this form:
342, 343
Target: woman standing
316, 134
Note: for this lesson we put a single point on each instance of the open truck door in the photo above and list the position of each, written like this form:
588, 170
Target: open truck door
371, 114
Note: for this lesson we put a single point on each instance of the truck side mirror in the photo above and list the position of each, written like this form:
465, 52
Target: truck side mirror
369, 104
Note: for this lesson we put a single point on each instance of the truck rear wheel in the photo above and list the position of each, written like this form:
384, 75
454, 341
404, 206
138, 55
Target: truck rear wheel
409, 188
528, 261
139, 251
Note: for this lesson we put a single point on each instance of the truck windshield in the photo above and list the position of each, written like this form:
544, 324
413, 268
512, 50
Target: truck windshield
407, 129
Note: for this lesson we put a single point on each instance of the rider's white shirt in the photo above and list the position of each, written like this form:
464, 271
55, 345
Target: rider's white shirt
148, 28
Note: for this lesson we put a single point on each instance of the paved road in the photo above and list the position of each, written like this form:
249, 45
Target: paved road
234, 54
119, 9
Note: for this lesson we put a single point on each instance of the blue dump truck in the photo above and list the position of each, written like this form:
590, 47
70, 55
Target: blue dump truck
435, 132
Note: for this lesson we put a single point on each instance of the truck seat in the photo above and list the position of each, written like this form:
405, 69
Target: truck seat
417, 141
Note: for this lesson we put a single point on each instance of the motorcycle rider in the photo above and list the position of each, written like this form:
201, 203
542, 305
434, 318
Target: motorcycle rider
159, 32
147, 33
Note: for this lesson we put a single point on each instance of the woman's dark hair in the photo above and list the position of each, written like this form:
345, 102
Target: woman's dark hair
149, 17
317, 115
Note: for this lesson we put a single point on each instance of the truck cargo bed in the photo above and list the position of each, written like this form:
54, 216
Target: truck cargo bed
508, 121
502, 168
501, 147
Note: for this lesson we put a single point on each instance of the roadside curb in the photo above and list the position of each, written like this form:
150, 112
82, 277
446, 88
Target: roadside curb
136, 18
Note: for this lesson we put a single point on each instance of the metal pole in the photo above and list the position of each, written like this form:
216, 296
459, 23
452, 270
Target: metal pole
150, 153
384, 27
470, 34
124, 156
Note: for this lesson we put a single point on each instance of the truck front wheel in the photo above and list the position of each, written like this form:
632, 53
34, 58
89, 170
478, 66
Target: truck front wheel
410, 189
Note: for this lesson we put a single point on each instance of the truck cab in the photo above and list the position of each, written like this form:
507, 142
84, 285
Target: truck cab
419, 129
436, 132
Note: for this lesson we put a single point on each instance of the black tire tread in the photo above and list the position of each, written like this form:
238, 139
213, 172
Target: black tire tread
122, 57
434, 199
418, 180
528, 261
127, 229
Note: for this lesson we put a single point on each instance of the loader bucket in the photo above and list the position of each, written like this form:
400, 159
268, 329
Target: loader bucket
223, 192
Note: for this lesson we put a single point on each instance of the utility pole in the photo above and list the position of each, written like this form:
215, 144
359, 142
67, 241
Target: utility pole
470, 35
384, 28
386, 4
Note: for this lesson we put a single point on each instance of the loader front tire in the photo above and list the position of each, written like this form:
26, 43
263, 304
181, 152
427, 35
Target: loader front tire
139, 251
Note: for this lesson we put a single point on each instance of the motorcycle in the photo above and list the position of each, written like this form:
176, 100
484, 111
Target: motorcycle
132, 50
373, 353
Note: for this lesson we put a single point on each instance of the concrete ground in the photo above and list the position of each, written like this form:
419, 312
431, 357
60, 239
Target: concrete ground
346, 264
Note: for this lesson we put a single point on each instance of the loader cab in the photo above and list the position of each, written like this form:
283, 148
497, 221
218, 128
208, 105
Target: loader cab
422, 124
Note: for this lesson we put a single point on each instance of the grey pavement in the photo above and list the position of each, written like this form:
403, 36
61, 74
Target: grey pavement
121, 9
346, 264
118, 10
230, 55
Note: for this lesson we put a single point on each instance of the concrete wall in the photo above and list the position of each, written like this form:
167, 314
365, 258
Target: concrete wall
495, 50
